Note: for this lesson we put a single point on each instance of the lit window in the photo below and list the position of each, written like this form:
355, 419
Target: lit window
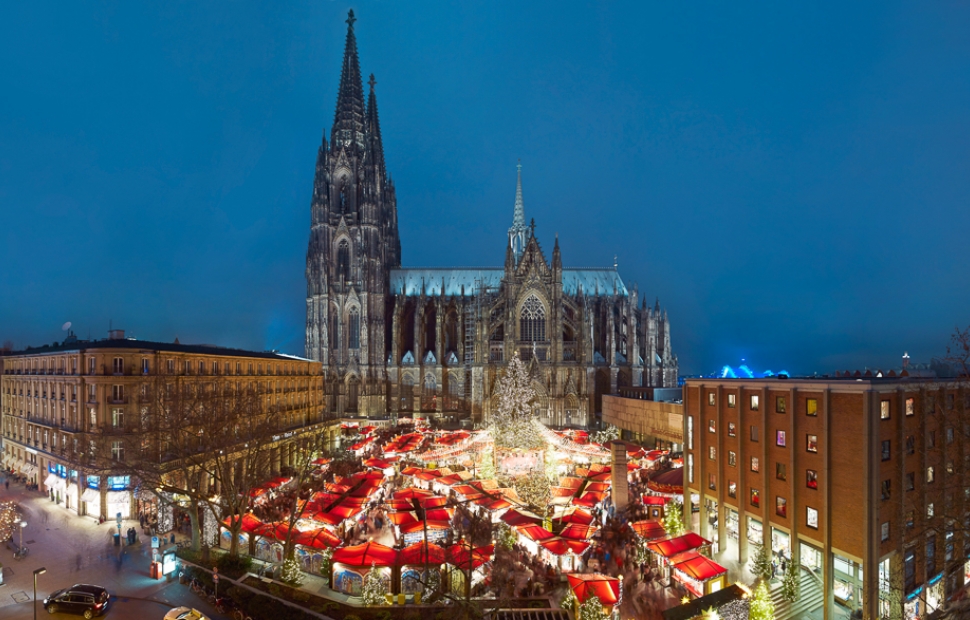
712, 482
690, 432
811, 406
811, 517
755, 402
710, 398
732, 400
780, 438
929, 509
812, 443
811, 478
884, 532
732, 431
690, 468
781, 506
910, 406
780, 404
754, 464
884, 410
930, 474
732, 489
732, 458
711, 452
781, 471
755, 498
710, 426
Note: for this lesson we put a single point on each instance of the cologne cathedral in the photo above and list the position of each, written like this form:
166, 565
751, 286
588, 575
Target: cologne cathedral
432, 342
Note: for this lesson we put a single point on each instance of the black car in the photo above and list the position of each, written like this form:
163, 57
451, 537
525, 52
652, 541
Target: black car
84, 599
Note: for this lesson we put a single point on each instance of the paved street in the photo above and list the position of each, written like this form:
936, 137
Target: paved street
61, 542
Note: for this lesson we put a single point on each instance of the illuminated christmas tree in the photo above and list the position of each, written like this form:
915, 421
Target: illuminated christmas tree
673, 520
375, 587
761, 607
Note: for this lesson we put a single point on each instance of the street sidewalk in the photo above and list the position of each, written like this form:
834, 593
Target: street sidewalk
77, 549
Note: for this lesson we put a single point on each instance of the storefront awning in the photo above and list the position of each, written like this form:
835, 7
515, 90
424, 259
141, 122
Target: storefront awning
670, 547
119, 497
697, 566
606, 588
91, 495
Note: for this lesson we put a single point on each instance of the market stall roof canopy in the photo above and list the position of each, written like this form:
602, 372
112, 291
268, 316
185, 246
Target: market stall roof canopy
696, 566
418, 553
560, 546
465, 558
670, 481
584, 585
249, 523
515, 516
317, 539
366, 554
578, 531
575, 514
649, 530
669, 547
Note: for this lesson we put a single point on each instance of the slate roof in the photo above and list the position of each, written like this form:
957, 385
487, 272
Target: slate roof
147, 345
409, 281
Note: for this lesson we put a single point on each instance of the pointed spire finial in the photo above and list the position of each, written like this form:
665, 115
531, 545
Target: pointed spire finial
372, 82
350, 18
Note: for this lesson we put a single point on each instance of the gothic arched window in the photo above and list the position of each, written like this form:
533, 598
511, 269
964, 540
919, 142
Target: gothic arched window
343, 261
353, 331
429, 394
353, 394
532, 320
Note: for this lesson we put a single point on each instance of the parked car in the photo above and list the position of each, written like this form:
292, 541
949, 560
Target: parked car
185, 613
81, 598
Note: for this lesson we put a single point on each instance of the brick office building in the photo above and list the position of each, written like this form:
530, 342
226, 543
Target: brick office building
70, 412
865, 480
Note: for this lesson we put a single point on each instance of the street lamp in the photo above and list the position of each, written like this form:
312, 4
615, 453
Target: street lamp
39, 571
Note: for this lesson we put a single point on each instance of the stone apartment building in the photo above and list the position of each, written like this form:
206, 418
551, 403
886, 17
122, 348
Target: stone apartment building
864, 480
70, 411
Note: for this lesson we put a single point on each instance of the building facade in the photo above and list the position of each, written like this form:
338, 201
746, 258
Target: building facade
401, 341
70, 412
864, 481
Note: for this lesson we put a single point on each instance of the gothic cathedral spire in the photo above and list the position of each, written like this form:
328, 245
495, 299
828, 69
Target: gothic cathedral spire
348, 119
518, 233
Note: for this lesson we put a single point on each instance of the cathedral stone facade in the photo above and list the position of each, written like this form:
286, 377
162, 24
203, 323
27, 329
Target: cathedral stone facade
411, 342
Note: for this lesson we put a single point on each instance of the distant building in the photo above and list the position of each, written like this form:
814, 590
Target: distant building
71, 411
864, 481
397, 340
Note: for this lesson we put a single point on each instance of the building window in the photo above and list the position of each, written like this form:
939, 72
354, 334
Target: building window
931, 439
712, 482
949, 435
732, 489
690, 468
811, 406
343, 261
884, 410
885, 488
811, 517
118, 418
755, 402
732, 430
118, 393
532, 320
710, 398
732, 400
117, 451
930, 474
170, 364
886, 450
711, 452
949, 470
754, 464
781, 506
811, 443
118, 366
781, 471
755, 498
884, 531
779, 404
910, 481
710, 426
780, 438
353, 332
910, 445
811, 478
929, 510
910, 519
144, 365
910, 406
690, 432
754, 433
732, 458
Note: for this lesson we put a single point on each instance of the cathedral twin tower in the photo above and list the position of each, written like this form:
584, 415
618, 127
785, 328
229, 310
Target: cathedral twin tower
432, 342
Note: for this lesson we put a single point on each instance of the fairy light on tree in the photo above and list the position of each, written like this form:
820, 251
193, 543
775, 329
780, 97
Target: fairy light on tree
761, 607
592, 609
673, 519
374, 589
761, 563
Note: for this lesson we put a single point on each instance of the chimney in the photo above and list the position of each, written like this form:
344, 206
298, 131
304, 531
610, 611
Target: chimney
116, 334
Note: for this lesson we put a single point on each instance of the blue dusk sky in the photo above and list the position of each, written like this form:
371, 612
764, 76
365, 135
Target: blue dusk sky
790, 179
